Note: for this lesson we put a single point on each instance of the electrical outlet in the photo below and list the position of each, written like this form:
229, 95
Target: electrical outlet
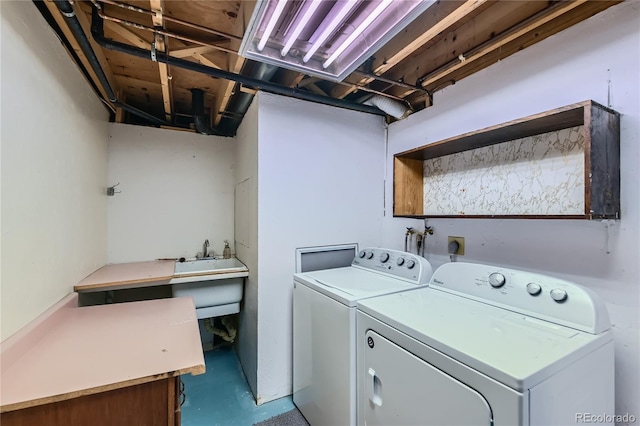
460, 241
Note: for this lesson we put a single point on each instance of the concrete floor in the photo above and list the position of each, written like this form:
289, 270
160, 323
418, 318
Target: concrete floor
222, 396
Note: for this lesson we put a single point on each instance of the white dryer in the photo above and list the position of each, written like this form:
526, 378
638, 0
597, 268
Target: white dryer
324, 327
484, 345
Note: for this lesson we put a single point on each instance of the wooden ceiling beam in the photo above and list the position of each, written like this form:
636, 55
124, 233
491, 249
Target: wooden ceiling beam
185, 52
572, 17
157, 6
400, 48
547, 15
86, 27
497, 18
383, 65
127, 34
307, 81
315, 89
235, 62
289, 78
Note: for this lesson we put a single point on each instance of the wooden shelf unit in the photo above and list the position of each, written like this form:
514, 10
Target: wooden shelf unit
601, 131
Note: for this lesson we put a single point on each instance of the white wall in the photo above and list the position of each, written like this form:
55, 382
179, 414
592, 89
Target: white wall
176, 191
246, 234
319, 183
572, 66
54, 168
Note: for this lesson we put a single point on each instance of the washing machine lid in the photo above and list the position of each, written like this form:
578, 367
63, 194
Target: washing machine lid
514, 349
350, 284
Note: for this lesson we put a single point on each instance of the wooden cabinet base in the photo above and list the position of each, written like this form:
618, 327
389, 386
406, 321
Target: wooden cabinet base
153, 403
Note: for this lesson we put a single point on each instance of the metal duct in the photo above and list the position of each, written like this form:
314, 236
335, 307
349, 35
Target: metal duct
241, 101
393, 108
97, 31
199, 120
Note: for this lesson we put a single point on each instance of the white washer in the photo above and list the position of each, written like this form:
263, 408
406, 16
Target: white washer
324, 327
485, 345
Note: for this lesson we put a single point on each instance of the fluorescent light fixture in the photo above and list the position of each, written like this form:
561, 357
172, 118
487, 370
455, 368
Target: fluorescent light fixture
356, 33
300, 26
343, 10
326, 39
272, 23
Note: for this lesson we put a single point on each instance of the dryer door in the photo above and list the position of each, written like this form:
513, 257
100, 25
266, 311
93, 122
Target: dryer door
402, 389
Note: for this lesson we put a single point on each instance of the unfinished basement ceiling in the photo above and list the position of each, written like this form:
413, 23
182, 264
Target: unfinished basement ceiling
195, 44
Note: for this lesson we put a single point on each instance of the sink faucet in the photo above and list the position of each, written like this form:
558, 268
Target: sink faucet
205, 246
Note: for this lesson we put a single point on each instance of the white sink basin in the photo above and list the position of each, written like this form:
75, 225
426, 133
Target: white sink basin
197, 266
216, 285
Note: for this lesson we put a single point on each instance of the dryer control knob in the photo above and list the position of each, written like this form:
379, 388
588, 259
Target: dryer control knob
370, 255
497, 280
384, 257
411, 264
534, 289
361, 254
400, 261
559, 295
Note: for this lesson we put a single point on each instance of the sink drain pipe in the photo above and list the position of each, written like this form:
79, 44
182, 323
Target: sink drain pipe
66, 9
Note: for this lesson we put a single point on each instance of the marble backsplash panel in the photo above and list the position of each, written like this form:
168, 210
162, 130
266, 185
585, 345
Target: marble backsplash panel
536, 175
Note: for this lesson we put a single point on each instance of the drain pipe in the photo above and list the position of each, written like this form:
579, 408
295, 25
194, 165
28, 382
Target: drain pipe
199, 120
97, 30
66, 9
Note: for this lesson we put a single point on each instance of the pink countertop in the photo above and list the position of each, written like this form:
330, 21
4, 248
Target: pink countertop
141, 274
72, 351
128, 274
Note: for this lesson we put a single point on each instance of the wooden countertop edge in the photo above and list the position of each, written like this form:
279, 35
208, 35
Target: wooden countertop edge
161, 280
195, 370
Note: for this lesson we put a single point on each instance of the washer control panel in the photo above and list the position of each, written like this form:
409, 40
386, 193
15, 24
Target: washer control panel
398, 264
536, 295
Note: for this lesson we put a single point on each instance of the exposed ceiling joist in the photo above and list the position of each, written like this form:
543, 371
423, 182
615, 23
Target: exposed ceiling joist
501, 40
235, 62
188, 51
127, 34
451, 40
157, 6
402, 47
86, 27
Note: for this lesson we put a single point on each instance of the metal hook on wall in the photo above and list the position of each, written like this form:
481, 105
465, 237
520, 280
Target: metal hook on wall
111, 191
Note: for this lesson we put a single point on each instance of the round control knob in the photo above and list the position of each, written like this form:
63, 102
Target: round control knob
559, 295
384, 257
497, 280
370, 255
400, 261
361, 254
534, 289
411, 264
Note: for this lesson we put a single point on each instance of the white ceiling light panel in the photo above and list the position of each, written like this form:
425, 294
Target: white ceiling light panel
325, 38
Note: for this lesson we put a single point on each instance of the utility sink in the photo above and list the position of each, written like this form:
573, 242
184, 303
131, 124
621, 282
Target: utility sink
198, 266
216, 285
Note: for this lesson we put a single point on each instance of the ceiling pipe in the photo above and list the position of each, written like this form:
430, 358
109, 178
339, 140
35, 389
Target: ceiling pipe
96, 4
66, 9
199, 120
242, 100
169, 19
97, 30
162, 32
